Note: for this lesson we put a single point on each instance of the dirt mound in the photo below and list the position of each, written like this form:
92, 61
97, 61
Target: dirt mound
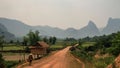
116, 63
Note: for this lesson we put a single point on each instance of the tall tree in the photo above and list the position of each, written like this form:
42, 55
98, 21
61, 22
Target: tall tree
17, 42
116, 45
45, 39
33, 37
50, 40
1, 61
25, 40
37, 35
54, 40
1, 42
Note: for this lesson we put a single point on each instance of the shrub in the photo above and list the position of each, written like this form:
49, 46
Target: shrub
10, 64
103, 62
100, 64
2, 61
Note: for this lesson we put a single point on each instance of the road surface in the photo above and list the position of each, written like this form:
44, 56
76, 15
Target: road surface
61, 59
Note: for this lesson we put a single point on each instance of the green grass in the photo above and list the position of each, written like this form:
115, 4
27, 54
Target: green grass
103, 62
11, 64
56, 46
87, 44
13, 47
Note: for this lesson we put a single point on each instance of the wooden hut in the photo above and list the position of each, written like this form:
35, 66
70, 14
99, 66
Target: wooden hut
40, 48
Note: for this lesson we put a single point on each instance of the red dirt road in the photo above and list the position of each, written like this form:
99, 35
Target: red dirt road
61, 59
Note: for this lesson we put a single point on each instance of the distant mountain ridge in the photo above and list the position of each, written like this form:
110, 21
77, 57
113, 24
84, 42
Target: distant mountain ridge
89, 30
20, 29
4, 32
113, 26
16, 27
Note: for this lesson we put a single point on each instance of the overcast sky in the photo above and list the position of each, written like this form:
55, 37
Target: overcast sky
61, 13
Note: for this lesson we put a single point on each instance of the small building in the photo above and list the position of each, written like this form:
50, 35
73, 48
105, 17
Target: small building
40, 48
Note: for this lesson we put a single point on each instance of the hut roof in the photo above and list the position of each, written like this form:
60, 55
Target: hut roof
40, 44
43, 44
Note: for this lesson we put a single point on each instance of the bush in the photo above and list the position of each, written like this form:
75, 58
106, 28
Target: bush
100, 64
27, 49
2, 62
103, 62
82, 54
114, 50
10, 64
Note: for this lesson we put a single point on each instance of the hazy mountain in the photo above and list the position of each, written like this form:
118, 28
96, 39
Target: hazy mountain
16, 27
112, 26
20, 29
49, 31
70, 32
89, 30
4, 32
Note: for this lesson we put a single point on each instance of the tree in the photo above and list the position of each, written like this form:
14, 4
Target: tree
80, 41
54, 40
25, 40
50, 40
17, 42
11, 41
1, 61
115, 49
1, 42
45, 39
33, 37
37, 35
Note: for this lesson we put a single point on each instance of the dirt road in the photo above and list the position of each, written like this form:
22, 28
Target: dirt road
61, 59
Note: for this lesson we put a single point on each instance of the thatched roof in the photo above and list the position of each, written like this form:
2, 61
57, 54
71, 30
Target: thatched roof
43, 44
40, 45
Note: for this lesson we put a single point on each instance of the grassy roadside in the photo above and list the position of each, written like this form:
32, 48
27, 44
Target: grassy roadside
87, 63
11, 64
89, 59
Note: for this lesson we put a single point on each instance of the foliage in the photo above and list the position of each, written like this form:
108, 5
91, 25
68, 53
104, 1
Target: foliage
11, 64
45, 39
27, 49
2, 61
56, 47
83, 53
12, 47
103, 62
106, 44
52, 40
69, 41
11, 42
1, 41
116, 45
25, 41
17, 42
33, 37
100, 64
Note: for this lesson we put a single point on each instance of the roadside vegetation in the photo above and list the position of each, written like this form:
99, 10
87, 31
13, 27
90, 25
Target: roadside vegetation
99, 51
